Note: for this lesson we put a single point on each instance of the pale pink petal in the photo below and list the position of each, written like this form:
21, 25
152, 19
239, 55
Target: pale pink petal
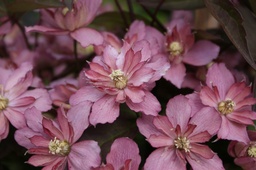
51, 130
209, 97
22, 137
238, 91
22, 101
245, 102
15, 117
201, 137
87, 36
176, 74
158, 141
64, 125
4, 126
136, 95
131, 61
86, 93
201, 53
78, 116
207, 119
46, 30
150, 105
141, 76
218, 75
198, 162
163, 124
146, 126
202, 150
40, 141
163, 159
242, 117
43, 160
84, 155
121, 150
110, 56
195, 102
232, 131
34, 119
104, 110
92, 7
178, 111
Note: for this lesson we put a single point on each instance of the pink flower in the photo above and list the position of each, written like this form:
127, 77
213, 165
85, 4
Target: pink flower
117, 77
244, 153
182, 48
231, 103
54, 143
124, 154
15, 97
72, 21
177, 139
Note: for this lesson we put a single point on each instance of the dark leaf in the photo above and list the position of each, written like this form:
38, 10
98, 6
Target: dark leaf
239, 23
68, 3
174, 4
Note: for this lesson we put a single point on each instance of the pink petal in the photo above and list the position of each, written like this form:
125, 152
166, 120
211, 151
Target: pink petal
202, 150
176, 74
164, 158
121, 150
23, 101
84, 155
198, 162
15, 117
40, 141
209, 97
163, 124
195, 102
200, 137
247, 163
232, 131
4, 126
34, 119
131, 61
79, 115
22, 137
51, 130
46, 30
242, 117
141, 76
218, 75
87, 36
146, 126
104, 110
136, 95
150, 105
43, 160
201, 53
86, 93
64, 125
158, 141
178, 111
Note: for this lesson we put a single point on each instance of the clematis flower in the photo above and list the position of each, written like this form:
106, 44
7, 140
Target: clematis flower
124, 154
244, 153
231, 103
54, 143
15, 97
117, 77
71, 21
182, 49
177, 139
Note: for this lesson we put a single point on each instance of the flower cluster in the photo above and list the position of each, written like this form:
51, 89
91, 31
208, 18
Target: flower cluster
106, 103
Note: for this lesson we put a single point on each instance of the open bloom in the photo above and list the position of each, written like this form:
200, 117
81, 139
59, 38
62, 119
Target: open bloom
117, 77
124, 154
54, 143
177, 139
231, 103
15, 97
244, 153
182, 49
71, 21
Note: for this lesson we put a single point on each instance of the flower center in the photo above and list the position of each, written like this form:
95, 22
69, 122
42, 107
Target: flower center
3, 103
175, 48
182, 143
226, 107
59, 147
252, 151
118, 78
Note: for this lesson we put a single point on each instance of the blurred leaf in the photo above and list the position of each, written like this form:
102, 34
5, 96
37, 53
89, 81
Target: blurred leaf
239, 23
17, 6
253, 5
174, 4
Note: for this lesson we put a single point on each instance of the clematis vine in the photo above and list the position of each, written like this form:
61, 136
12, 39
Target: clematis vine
15, 97
73, 21
244, 153
177, 139
231, 103
117, 77
54, 145
124, 154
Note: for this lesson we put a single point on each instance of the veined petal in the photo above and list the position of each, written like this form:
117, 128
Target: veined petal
158, 141
87, 36
23, 101
242, 117
208, 96
175, 74
15, 117
40, 141
135, 94
202, 150
104, 110
51, 130
162, 123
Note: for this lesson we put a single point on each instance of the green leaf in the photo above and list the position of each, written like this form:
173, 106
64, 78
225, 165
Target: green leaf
19, 6
239, 23
174, 4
